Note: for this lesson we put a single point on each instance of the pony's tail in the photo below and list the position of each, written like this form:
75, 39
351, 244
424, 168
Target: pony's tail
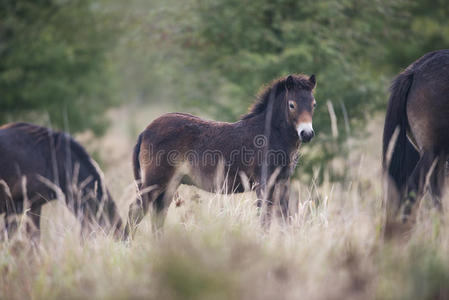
401, 161
136, 162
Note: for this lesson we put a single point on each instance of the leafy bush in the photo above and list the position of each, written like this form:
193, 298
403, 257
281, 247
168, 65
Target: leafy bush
53, 58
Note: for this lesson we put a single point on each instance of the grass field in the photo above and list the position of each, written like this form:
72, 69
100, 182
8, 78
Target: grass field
213, 247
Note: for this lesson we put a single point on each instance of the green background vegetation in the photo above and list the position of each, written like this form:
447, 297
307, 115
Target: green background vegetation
67, 62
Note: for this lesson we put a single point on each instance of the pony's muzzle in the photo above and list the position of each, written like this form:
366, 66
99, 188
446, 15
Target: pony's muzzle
305, 132
306, 136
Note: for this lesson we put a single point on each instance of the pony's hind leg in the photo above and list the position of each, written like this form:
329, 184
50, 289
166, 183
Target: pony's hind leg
139, 208
156, 200
156, 193
437, 181
417, 183
161, 204
159, 212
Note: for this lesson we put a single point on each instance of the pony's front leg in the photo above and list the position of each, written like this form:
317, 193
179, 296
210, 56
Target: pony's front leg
277, 193
267, 207
416, 185
283, 194
259, 200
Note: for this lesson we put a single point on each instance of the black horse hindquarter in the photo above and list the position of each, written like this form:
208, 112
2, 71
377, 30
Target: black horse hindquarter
419, 108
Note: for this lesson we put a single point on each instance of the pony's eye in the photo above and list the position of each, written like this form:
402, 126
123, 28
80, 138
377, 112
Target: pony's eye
291, 105
314, 104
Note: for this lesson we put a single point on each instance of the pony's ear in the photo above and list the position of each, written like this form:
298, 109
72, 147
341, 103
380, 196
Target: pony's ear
312, 79
289, 83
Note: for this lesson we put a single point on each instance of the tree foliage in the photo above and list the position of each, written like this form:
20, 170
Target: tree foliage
229, 48
210, 57
53, 60
250, 43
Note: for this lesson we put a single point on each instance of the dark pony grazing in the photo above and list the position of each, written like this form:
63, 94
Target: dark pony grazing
38, 165
260, 152
417, 127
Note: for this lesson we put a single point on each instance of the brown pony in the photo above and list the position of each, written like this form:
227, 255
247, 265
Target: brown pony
418, 111
258, 151
38, 165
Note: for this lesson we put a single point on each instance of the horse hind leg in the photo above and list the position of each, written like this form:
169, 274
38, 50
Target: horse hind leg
138, 209
156, 194
153, 200
437, 181
416, 184
159, 213
157, 202
161, 204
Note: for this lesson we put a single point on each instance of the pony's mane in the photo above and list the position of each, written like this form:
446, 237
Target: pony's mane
278, 86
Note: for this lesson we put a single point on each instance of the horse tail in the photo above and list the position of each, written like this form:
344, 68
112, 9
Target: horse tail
404, 156
136, 162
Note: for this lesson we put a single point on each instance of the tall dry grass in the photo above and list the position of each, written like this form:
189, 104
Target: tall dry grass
213, 246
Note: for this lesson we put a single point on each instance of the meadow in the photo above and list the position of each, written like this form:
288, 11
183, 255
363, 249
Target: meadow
213, 246
104, 69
